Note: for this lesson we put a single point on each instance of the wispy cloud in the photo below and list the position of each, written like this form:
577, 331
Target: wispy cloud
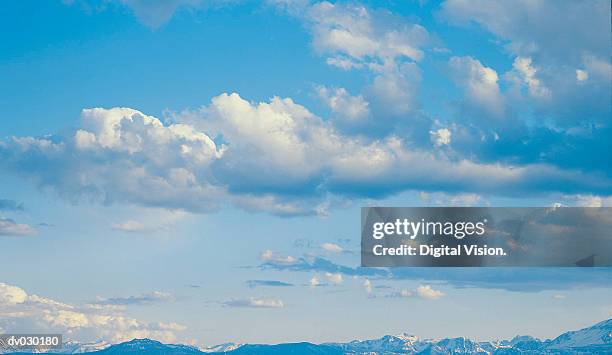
268, 283
255, 303
9, 227
130, 226
147, 298
332, 247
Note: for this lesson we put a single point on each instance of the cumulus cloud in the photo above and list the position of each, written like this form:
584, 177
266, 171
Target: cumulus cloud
582, 75
332, 247
343, 105
355, 32
270, 257
334, 278
527, 73
9, 227
427, 292
354, 36
480, 84
122, 155
546, 29
23, 312
314, 281
255, 303
549, 43
440, 137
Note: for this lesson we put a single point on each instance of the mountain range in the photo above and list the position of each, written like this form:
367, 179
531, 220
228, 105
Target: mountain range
596, 339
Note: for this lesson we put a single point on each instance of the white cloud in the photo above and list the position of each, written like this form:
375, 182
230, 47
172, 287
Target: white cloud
480, 84
599, 66
11, 295
130, 226
559, 296
9, 227
360, 33
256, 303
271, 257
19, 311
314, 281
527, 74
588, 200
343, 105
367, 285
550, 42
354, 36
427, 292
395, 87
334, 278
301, 160
440, 137
332, 247
582, 75
343, 63
547, 29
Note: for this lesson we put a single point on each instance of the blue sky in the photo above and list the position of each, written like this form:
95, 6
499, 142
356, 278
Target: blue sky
193, 172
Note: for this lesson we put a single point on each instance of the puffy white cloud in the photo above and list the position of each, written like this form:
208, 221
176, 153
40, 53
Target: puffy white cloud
20, 312
66, 319
395, 87
277, 156
543, 28
440, 137
334, 278
354, 36
527, 74
343, 105
480, 84
332, 247
314, 281
359, 33
548, 36
582, 75
427, 292
9, 227
269, 257
10, 295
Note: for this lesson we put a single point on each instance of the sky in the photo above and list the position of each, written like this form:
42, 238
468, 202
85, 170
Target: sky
193, 171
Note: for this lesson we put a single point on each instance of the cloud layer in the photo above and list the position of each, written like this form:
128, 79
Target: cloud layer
272, 156
23, 312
